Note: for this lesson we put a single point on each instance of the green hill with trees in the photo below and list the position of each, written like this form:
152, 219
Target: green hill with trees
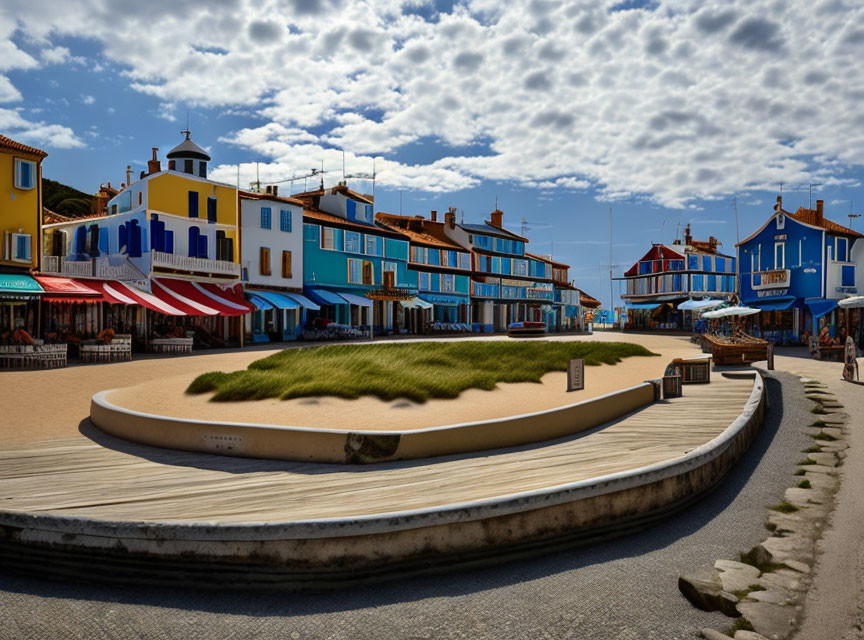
65, 200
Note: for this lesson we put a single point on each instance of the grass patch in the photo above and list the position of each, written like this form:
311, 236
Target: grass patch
784, 507
804, 484
824, 436
771, 527
812, 449
740, 624
800, 472
806, 461
416, 371
819, 423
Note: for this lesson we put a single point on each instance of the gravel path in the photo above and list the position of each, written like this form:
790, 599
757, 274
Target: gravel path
623, 589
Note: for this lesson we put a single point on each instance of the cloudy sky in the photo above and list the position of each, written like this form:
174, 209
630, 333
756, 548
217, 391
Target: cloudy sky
663, 110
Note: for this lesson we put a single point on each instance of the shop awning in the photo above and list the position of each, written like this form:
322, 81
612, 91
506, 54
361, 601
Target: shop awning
323, 296
183, 296
820, 307
777, 304
229, 297
303, 301
260, 303
116, 292
67, 290
358, 300
18, 287
276, 300
415, 303
446, 300
642, 305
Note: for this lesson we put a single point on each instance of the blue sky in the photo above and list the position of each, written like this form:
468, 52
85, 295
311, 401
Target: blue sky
665, 111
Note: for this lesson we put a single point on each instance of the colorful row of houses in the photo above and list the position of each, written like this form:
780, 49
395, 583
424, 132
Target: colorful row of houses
175, 252
796, 268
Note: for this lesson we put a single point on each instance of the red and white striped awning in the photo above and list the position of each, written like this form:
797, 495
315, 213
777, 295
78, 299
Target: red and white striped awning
116, 292
194, 298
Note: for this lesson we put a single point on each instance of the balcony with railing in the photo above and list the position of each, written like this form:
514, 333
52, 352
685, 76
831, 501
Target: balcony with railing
770, 279
63, 266
173, 261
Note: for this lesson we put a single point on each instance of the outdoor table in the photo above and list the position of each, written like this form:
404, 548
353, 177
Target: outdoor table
173, 346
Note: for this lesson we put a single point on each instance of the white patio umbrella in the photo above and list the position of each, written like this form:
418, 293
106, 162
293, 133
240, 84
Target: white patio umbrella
855, 302
697, 305
729, 312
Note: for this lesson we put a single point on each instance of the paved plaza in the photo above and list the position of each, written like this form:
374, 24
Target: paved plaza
621, 589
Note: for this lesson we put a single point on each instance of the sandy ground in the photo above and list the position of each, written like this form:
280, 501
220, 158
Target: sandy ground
38, 405
165, 396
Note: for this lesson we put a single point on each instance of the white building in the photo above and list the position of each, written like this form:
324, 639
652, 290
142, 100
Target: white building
271, 257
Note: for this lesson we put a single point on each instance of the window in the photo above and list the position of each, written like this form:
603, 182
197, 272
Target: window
388, 275
202, 169
779, 255
448, 282
434, 282
692, 263
842, 249
465, 261
285, 220
266, 214
800, 253
369, 214
417, 254
355, 271
187, 166
373, 245
140, 197
353, 242
424, 281
781, 221
520, 267
847, 272
452, 259
224, 247
264, 261
350, 209
194, 234
706, 263
211, 209
21, 244
368, 273
327, 238
193, 204
25, 174
286, 264
433, 256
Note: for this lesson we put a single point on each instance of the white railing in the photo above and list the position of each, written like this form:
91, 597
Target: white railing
66, 267
770, 279
198, 265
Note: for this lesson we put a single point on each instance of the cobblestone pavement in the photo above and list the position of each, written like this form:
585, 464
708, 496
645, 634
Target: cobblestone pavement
622, 589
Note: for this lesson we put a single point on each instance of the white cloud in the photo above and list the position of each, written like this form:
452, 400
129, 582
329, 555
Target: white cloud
88, 100
8, 93
681, 101
37, 133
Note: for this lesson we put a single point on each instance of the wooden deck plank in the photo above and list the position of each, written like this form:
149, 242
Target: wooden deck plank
77, 476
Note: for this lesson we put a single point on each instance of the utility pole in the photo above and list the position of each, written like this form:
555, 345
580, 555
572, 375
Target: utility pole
735, 207
810, 201
611, 285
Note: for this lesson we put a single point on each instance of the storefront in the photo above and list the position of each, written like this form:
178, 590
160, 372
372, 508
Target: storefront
19, 308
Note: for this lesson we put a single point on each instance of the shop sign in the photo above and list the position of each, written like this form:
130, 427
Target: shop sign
576, 374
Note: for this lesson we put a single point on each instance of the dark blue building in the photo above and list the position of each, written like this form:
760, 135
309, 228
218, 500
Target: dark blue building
796, 267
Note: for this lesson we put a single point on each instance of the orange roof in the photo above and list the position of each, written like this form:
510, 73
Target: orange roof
315, 214
811, 216
588, 301
554, 263
339, 188
395, 222
9, 143
249, 195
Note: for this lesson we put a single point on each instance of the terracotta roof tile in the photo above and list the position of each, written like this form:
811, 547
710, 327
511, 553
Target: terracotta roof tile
396, 223
9, 143
249, 195
321, 216
811, 216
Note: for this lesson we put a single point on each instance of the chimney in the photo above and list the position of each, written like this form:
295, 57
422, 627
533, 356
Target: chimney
433, 215
819, 210
688, 239
712, 244
153, 165
268, 189
779, 204
128, 174
450, 218
142, 175
171, 165
275, 189
496, 217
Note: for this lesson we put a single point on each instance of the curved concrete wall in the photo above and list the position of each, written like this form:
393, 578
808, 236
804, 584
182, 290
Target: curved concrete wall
342, 446
324, 553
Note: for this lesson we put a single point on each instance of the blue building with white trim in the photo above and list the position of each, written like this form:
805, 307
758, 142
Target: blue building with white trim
795, 268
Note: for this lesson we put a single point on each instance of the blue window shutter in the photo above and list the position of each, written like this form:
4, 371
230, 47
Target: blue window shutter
122, 234
134, 239
157, 235
265, 217
202, 246
193, 204
211, 209
26, 179
169, 242
369, 215
21, 248
103, 240
81, 240
193, 241
351, 209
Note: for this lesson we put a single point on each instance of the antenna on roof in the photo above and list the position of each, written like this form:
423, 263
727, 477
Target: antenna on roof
524, 227
810, 201
364, 176
735, 207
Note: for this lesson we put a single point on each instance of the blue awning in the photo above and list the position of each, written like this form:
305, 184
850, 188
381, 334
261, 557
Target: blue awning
820, 307
358, 300
643, 305
773, 305
260, 303
303, 301
323, 296
277, 300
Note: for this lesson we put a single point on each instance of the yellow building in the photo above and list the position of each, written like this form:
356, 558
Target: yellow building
21, 208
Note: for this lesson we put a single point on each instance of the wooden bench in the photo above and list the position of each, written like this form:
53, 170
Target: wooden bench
171, 346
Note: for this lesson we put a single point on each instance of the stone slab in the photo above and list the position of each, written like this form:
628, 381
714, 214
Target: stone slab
770, 620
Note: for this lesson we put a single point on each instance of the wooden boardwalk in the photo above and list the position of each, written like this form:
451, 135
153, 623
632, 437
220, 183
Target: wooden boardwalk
110, 479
